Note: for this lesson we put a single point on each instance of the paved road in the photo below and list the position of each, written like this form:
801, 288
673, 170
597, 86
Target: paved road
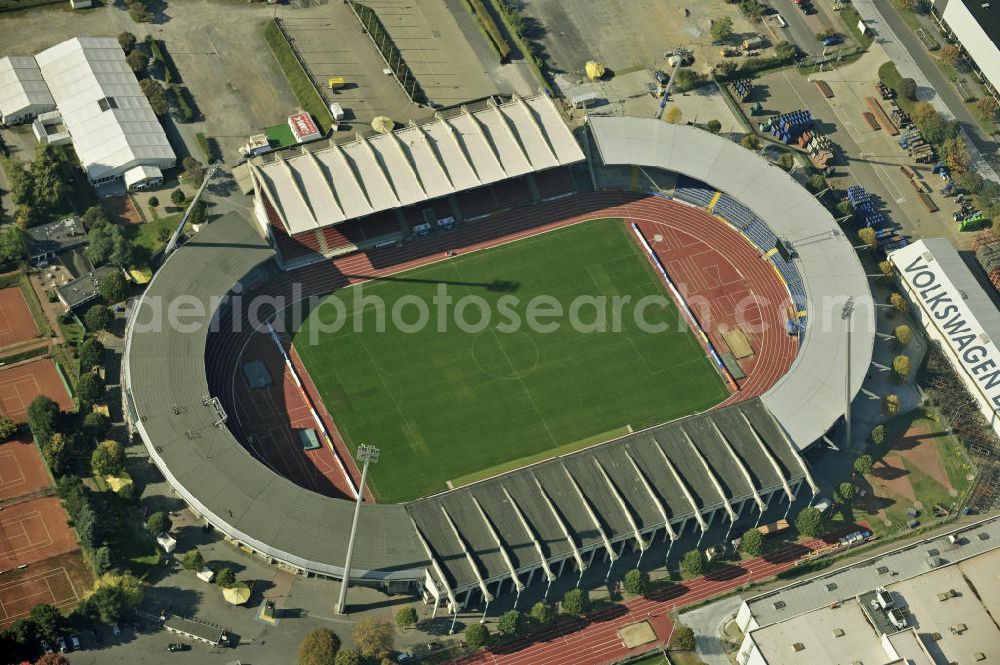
595, 641
912, 60
798, 30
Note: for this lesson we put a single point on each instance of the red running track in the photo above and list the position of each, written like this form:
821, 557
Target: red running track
594, 640
724, 258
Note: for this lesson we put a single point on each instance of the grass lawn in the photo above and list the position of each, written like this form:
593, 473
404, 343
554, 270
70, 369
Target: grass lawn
153, 235
302, 86
444, 405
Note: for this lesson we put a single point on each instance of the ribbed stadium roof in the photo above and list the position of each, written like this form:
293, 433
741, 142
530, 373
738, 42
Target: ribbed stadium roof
317, 188
811, 396
109, 118
22, 86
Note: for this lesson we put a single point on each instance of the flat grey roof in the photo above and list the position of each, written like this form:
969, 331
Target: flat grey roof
85, 288
57, 236
881, 570
809, 398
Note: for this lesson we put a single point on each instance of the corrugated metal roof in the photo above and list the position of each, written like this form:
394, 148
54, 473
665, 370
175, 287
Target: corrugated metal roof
22, 87
109, 118
415, 164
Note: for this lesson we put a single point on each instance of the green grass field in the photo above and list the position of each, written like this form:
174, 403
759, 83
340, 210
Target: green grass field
451, 405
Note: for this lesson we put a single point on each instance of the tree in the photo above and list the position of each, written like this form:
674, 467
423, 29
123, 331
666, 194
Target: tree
98, 317
687, 79
406, 617
901, 366
94, 217
137, 61
899, 303
846, 493
102, 559
193, 169
986, 107
541, 613
908, 89
7, 428
197, 215
127, 41
635, 582
957, 155
877, 435
950, 54
177, 196
154, 202
815, 183
844, 209
91, 354
113, 288
57, 452
157, 523
108, 458
113, 597
373, 637
750, 142
786, 161
674, 115
43, 414
693, 562
13, 245
970, 181
864, 465
154, 93
47, 621
890, 404
887, 269
682, 638
225, 578
90, 387
95, 426
477, 635
785, 51
752, 543
86, 526
713, 126
722, 29
348, 657
867, 237
576, 602
510, 622
108, 244
809, 522
193, 560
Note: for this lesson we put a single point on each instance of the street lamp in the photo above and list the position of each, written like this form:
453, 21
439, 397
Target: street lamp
367, 455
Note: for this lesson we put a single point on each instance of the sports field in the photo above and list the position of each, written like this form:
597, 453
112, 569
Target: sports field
446, 402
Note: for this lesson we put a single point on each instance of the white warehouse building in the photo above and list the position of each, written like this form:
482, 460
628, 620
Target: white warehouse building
23, 93
976, 24
114, 131
957, 315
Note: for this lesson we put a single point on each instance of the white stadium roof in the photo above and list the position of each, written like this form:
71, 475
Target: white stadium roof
417, 163
103, 107
22, 86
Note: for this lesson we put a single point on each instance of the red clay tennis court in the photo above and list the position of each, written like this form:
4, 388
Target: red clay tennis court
33, 531
22, 383
61, 582
16, 324
21, 469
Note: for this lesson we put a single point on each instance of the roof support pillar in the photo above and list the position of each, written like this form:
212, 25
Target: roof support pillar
437, 567
311, 158
562, 525
531, 534
503, 548
798, 455
468, 556
453, 133
482, 134
350, 169
510, 132
534, 123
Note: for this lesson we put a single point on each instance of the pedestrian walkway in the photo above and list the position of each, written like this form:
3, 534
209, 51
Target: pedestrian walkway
594, 640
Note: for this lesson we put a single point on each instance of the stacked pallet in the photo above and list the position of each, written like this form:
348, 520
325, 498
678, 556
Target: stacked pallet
742, 89
987, 247
787, 127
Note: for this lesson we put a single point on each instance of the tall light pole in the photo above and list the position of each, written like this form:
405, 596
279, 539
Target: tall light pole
367, 455
846, 314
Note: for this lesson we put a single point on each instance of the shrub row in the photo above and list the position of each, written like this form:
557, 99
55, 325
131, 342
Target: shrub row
491, 28
383, 41
309, 98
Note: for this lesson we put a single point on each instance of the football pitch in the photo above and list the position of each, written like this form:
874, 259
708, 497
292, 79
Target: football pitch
453, 400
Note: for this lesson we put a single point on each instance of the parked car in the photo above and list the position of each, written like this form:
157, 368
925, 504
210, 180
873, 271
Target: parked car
62, 644
75, 641
178, 646
46, 647
832, 40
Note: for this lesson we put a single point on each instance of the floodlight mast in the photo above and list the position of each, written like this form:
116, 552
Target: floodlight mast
846, 314
172, 244
367, 455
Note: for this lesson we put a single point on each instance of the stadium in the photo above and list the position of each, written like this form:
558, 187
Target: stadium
506, 460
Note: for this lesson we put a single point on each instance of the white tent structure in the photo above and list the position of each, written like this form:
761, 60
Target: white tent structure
110, 120
23, 93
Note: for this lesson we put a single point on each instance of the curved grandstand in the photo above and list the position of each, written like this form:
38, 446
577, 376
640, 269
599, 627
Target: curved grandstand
743, 457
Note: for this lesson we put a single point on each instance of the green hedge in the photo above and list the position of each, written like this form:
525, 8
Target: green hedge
206, 148
383, 41
24, 355
309, 98
491, 28
180, 98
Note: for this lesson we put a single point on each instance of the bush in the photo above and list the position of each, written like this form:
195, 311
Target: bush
864, 465
713, 126
809, 522
722, 29
867, 237
844, 209
687, 79
225, 578
95, 426
477, 635
541, 613
177, 197
891, 404
406, 617
137, 61
693, 562
899, 303
158, 522
319, 647
786, 161
750, 142
752, 543
636, 582
846, 493
7, 428
674, 115
887, 269
197, 215
43, 414
682, 638
510, 622
127, 41
113, 288
98, 317
908, 89
877, 435
576, 602
154, 93
901, 366
206, 148
193, 560
348, 657
373, 637
13, 245
816, 183
108, 459
154, 202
